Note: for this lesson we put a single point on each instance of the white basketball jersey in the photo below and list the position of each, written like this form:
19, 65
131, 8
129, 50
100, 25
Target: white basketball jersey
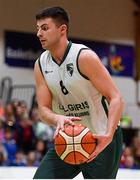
73, 94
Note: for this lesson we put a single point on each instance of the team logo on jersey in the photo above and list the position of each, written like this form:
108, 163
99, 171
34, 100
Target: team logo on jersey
70, 69
48, 72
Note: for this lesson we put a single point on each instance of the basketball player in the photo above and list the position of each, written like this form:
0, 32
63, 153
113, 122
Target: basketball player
73, 86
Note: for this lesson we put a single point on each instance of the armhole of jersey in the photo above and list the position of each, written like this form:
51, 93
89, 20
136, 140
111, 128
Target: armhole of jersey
105, 104
40, 67
78, 64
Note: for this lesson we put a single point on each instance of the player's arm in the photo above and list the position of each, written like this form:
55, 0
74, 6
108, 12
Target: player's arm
44, 100
91, 66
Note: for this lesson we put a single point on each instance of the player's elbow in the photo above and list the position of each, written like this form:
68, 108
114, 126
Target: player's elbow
120, 100
41, 112
117, 99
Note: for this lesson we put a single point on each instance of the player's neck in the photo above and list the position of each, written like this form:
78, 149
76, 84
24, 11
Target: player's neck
59, 51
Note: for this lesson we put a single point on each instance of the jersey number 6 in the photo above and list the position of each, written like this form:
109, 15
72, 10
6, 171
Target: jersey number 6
63, 88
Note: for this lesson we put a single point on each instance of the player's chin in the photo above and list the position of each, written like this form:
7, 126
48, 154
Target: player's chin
44, 46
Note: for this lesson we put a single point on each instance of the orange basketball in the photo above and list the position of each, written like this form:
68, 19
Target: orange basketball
75, 144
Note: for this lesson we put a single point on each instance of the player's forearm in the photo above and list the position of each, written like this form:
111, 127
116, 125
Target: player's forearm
48, 116
115, 113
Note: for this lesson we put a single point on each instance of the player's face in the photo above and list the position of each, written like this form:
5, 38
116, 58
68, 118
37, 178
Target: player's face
48, 33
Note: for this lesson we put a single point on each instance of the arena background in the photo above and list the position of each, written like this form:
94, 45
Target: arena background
95, 20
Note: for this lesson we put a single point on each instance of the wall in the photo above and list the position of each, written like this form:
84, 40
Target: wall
17, 15
101, 20
91, 19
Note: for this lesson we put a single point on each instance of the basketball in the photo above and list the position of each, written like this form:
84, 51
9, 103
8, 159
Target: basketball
75, 144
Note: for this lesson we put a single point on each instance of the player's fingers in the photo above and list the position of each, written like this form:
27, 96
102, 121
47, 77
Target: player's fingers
92, 157
96, 152
61, 125
75, 118
69, 121
96, 136
98, 149
56, 132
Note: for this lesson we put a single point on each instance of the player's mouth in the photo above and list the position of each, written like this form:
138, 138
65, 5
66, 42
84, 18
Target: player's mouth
42, 41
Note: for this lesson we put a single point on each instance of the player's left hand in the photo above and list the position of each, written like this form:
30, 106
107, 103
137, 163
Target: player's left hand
102, 142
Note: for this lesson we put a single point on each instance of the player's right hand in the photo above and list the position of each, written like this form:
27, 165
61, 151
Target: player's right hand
62, 120
102, 142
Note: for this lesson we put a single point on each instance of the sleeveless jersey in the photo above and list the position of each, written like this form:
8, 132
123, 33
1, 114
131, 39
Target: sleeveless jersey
72, 93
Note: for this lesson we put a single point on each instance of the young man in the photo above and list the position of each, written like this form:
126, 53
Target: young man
72, 86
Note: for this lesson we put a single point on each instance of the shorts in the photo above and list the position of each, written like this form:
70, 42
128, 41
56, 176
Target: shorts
104, 166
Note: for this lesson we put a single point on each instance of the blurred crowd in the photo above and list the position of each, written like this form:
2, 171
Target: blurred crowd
24, 139
131, 154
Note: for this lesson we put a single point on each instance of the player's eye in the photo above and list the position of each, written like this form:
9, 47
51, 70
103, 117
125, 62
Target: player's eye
44, 28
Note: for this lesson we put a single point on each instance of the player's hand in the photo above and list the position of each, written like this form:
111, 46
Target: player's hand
62, 120
102, 142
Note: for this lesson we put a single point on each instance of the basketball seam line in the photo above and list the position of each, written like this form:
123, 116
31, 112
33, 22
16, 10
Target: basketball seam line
77, 143
73, 146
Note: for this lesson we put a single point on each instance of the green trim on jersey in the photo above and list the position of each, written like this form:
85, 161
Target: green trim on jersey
105, 105
78, 64
65, 54
40, 67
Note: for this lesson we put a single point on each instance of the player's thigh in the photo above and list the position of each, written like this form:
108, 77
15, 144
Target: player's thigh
106, 165
52, 167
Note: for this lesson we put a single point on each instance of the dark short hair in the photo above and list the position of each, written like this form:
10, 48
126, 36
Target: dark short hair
57, 13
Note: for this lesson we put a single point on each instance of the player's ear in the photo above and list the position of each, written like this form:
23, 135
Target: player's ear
63, 28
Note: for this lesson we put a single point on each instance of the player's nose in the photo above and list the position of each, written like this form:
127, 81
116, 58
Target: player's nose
39, 34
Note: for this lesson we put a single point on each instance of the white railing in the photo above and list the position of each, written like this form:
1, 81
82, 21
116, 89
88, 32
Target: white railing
28, 172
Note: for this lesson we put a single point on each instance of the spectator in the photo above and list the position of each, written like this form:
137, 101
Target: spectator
2, 112
20, 159
9, 111
130, 163
126, 152
40, 149
20, 110
31, 159
24, 135
3, 155
2, 160
10, 145
135, 142
1, 131
9, 115
137, 156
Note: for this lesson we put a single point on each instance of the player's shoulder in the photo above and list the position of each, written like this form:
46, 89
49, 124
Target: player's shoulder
78, 45
40, 63
84, 50
42, 56
86, 53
